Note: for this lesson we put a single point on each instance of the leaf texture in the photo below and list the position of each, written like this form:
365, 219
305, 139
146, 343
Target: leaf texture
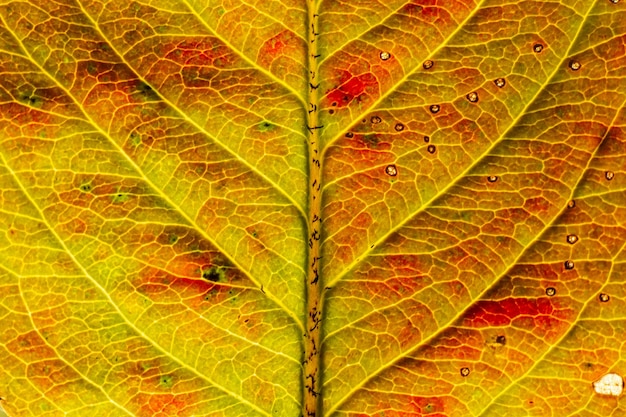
159, 190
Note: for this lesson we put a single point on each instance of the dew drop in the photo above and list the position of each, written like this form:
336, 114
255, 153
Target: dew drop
428, 64
604, 297
426, 139
571, 239
501, 340
431, 148
385, 56
465, 371
349, 135
435, 108
574, 65
609, 384
492, 178
472, 97
609, 175
538, 47
571, 204
569, 264
399, 127
499, 82
391, 170
550, 291
375, 120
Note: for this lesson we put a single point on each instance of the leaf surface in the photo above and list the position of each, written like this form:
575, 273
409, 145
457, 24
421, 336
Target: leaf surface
165, 167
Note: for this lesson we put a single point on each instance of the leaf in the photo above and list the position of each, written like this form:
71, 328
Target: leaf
360, 208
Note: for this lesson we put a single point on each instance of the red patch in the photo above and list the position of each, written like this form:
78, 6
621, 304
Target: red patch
286, 44
354, 88
501, 313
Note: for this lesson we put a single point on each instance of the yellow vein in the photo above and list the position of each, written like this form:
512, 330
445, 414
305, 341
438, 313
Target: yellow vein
392, 90
268, 73
32, 322
469, 168
515, 261
580, 180
163, 195
116, 307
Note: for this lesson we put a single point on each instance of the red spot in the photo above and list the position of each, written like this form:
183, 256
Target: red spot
353, 88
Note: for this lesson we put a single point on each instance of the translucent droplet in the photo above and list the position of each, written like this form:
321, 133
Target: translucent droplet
473, 96
399, 127
492, 178
609, 175
385, 56
426, 139
391, 170
435, 108
465, 371
538, 47
375, 120
609, 384
500, 82
614, 1
550, 291
349, 135
571, 204
431, 148
569, 265
501, 340
604, 297
571, 239
428, 64
574, 65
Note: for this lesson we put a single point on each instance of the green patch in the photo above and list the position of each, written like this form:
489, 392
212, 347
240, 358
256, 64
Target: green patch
166, 381
172, 239
266, 126
214, 274
135, 139
119, 198
86, 187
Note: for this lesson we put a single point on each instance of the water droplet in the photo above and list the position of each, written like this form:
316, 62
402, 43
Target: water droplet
431, 148
492, 178
571, 239
609, 175
614, 1
574, 65
569, 265
435, 108
550, 291
499, 82
538, 47
428, 64
472, 97
385, 56
375, 120
426, 139
501, 340
465, 371
609, 384
349, 135
391, 170
604, 297
399, 127
571, 204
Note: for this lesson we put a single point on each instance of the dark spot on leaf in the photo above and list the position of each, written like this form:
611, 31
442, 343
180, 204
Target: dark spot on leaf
166, 381
213, 274
501, 340
349, 135
85, 188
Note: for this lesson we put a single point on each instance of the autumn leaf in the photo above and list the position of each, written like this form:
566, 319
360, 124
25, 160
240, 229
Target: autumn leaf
312, 208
